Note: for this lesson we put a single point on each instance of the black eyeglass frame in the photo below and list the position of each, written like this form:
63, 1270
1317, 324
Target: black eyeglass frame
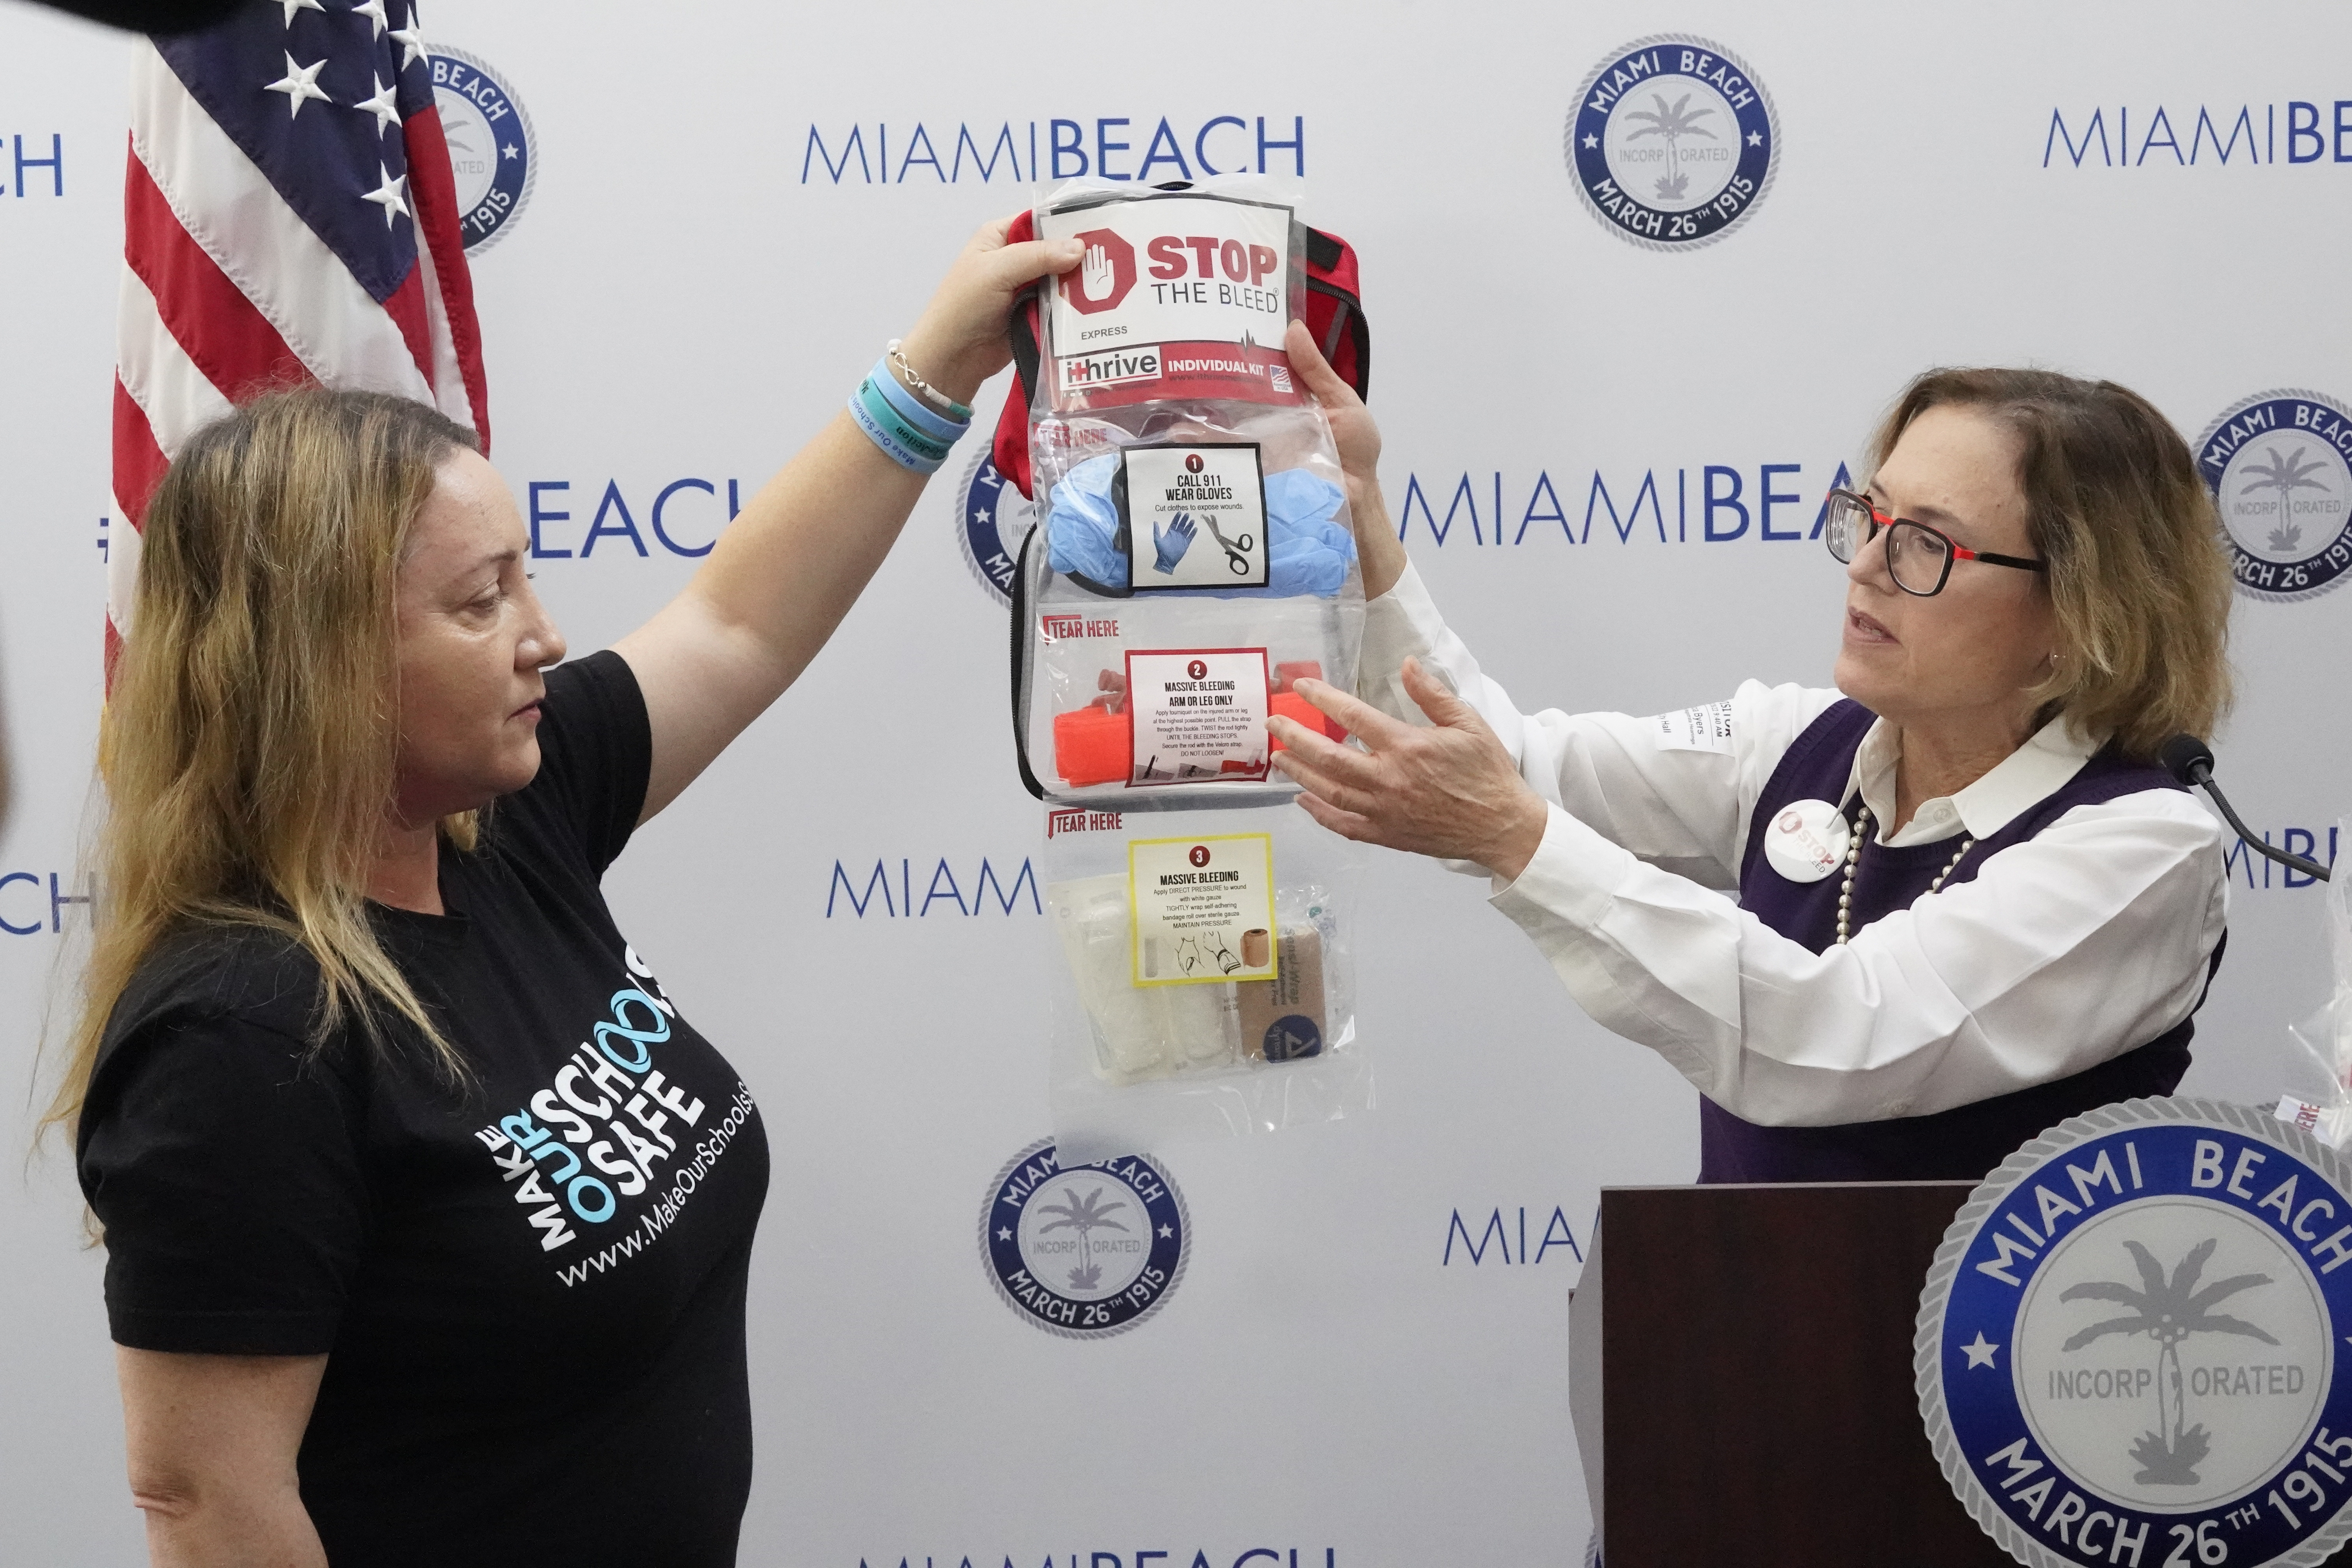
1953, 549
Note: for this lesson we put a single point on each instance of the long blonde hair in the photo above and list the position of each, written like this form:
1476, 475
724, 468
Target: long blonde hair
2137, 577
248, 747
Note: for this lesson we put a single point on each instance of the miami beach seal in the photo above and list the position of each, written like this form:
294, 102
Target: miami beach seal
492, 153
1673, 142
2280, 467
992, 519
1086, 1252
2126, 1344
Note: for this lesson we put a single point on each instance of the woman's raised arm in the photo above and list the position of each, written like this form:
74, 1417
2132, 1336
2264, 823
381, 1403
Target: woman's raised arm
787, 569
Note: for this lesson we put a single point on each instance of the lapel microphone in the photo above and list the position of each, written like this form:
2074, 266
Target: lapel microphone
2191, 760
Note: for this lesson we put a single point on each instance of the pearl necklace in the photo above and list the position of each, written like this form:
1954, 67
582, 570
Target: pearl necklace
1853, 862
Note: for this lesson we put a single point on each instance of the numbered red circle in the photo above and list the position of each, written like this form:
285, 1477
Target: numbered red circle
1192, 463
1200, 855
1197, 670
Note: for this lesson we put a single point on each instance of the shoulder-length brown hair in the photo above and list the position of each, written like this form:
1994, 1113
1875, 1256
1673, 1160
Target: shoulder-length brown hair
2137, 577
248, 746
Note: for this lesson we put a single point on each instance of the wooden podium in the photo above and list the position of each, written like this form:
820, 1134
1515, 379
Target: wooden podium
1740, 1379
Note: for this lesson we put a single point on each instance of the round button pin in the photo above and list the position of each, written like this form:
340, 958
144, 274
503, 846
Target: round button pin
1807, 840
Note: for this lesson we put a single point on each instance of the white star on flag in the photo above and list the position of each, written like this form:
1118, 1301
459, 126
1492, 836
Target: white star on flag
299, 82
411, 43
388, 195
1979, 1353
386, 111
294, 5
373, 12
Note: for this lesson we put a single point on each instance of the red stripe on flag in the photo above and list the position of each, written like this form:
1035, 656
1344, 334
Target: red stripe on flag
406, 308
230, 340
138, 462
434, 191
113, 655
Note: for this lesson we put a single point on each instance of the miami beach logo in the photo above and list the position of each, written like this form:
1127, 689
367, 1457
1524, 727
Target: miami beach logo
2126, 1344
1673, 142
992, 517
2280, 467
1086, 1252
491, 151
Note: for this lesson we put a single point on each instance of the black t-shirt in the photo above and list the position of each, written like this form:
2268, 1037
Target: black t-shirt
529, 1289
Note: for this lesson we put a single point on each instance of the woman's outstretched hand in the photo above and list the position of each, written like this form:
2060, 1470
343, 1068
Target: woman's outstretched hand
960, 341
1451, 791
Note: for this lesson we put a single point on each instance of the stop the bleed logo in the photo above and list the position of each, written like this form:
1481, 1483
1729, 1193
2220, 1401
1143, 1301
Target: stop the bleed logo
1103, 276
2127, 1346
1673, 142
1083, 1252
1174, 294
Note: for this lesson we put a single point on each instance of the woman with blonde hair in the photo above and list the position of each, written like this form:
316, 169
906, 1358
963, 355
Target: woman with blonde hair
1889, 931
428, 1215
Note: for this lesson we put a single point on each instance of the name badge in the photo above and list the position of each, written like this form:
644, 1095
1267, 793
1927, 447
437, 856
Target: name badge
1807, 840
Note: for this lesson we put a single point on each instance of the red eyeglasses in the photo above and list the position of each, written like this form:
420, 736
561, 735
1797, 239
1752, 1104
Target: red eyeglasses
1918, 558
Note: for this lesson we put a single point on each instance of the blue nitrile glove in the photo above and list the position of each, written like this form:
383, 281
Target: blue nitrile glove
1082, 529
1306, 551
1173, 543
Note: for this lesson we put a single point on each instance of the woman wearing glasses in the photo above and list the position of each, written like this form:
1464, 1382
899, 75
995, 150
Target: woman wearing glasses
1894, 930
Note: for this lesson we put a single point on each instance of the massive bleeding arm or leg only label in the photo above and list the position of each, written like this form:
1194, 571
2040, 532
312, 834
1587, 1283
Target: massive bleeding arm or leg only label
1203, 909
1199, 714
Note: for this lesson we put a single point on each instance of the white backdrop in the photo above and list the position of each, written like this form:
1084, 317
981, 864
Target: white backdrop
690, 290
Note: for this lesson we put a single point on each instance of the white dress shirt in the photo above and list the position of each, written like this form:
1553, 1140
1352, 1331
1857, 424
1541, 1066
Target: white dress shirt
2083, 943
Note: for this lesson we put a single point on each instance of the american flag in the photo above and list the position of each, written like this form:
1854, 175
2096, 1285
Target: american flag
289, 219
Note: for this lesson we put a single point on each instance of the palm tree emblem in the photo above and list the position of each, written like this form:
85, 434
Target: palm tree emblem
2285, 475
1082, 1214
2169, 1313
1674, 124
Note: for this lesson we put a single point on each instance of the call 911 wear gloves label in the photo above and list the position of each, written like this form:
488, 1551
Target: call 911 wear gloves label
1195, 517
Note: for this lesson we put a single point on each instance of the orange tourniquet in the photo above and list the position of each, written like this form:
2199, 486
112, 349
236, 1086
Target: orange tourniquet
1095, 746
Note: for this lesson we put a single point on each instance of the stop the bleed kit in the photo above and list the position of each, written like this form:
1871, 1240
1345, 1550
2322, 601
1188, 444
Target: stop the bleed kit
1194, 561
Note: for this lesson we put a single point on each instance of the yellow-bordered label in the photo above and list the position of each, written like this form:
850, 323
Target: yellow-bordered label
1201, 910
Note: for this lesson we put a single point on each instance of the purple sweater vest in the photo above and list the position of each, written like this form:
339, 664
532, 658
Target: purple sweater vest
1969, 1140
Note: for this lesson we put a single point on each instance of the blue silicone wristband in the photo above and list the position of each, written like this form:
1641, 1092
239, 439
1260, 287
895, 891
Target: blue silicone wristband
891, 448
923, 445
913, 409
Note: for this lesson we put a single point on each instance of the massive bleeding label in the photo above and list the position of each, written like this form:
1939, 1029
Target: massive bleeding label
1199, 714
1176, 297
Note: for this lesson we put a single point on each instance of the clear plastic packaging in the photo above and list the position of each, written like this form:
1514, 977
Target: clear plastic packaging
2321, 1104
1203, 976
1195, 554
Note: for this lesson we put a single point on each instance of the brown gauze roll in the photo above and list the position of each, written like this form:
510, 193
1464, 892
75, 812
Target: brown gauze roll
1282, 1018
